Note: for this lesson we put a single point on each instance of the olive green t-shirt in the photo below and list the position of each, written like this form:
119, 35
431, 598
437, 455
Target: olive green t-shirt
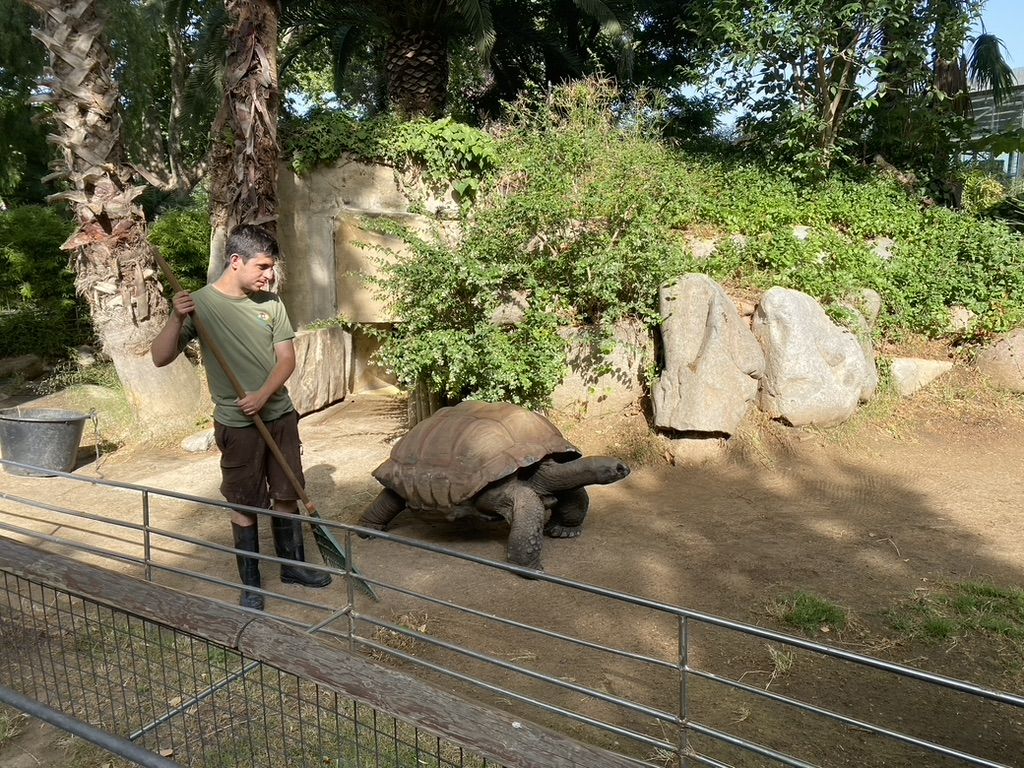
246, 330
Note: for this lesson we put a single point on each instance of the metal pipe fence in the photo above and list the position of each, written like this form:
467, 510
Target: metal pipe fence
657, 688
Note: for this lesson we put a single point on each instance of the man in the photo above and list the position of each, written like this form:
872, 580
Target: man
252, 329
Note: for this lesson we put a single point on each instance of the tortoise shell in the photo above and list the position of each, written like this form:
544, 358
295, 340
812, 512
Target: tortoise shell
447, 459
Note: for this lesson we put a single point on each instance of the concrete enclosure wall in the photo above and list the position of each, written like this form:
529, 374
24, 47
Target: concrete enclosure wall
326, 241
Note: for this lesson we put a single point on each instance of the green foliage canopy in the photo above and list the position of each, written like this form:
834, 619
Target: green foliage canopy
23, 150
39, 312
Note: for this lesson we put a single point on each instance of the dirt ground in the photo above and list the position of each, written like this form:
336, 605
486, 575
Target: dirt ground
877, 516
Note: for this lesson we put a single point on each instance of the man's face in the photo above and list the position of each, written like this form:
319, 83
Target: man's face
256, 274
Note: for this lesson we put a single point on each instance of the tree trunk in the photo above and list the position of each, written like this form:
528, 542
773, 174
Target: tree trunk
416, 70
112, 258
244, 156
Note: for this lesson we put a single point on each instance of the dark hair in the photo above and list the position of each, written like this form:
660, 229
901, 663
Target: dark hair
248, 240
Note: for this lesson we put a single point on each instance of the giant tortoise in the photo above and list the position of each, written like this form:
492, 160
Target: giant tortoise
496, 461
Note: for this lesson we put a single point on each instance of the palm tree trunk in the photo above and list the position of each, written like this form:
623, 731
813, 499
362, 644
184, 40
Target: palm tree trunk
112, 258
244, 157
416, 72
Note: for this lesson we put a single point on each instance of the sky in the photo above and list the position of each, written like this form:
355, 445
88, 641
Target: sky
1003, 19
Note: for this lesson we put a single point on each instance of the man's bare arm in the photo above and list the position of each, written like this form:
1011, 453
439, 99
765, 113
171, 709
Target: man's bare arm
253, 402
164, 348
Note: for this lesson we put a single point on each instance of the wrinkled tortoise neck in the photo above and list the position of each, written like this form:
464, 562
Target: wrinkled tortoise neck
553, 476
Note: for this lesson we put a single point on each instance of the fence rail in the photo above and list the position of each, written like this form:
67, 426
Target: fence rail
654, 693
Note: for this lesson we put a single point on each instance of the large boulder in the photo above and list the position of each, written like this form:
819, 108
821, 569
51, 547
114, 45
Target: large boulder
712, 361
860, 325
815, 371
1003, 361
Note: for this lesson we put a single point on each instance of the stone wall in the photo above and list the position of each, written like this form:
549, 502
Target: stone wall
325, 244
327, 250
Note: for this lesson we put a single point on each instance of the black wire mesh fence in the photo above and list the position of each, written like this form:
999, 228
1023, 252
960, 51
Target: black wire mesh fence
189, 699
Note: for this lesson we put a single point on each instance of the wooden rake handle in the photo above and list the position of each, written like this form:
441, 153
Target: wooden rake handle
210, 344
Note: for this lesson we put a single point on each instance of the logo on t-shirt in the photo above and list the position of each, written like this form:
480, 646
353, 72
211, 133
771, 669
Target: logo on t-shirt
265, 317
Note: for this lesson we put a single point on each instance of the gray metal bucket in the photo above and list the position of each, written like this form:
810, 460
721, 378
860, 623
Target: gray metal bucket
42, 437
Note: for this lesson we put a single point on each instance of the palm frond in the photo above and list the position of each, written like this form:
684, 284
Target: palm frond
294, 44
988, 68
602, 14
477, 16
328, 15
211, 50
179, 13
343, 43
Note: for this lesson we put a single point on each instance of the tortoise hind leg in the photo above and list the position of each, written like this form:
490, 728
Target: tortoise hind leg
525, 539
568, 513
383, 510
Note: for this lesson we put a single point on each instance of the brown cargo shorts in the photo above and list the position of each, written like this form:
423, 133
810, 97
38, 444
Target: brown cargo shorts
250, 474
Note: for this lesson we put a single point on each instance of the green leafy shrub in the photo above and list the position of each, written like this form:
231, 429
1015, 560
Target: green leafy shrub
445, 339
446, 151
183, 237
583, 239
39, 312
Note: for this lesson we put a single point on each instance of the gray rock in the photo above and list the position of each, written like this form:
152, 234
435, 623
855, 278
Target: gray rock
909, 374
868, 302
701, 248
85, 356
815, 371
200, 442
712, 361
1003, 362
861, 328
512, 311
26, 366
883, 247
961, 319
321, 376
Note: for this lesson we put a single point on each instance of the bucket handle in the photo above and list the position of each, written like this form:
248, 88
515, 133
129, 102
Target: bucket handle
95, 419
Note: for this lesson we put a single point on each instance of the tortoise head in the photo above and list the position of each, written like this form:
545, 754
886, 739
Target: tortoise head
607, 469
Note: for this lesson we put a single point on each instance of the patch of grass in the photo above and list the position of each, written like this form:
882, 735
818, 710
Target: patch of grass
11, 724
69, 373
414, 621
809, 613
222, 658
961, 609
938, 628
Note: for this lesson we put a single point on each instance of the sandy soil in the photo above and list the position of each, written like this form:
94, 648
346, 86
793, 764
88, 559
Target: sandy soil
912, 497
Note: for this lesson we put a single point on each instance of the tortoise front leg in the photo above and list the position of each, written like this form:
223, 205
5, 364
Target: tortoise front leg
525, 539
383, 510
567, 514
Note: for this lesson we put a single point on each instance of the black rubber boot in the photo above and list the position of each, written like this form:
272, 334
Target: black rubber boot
247, 538
288, 543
